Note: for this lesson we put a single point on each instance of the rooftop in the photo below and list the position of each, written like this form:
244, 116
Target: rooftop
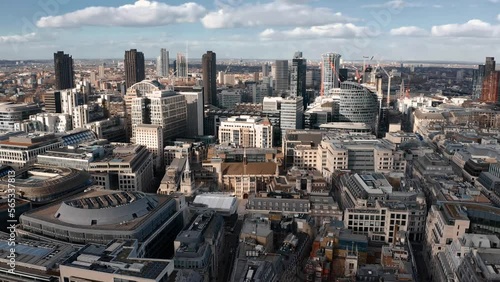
218, 202
100, 209
117, 258
38, 255
260, 168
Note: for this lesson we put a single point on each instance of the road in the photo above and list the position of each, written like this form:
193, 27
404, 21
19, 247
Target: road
231, 240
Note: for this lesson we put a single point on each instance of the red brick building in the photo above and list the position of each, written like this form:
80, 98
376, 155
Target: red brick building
491, 91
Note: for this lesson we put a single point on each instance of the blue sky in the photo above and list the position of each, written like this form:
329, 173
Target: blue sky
459, 30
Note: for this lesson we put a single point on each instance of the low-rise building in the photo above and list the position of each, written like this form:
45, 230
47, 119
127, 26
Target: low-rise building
120, 260
43, 184
199, 246
246, 131
383, 222
244, 178
128, 168
444, 224
38, 261
72, 156
100, 216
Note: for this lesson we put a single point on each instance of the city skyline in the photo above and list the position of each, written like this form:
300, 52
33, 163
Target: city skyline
407, 30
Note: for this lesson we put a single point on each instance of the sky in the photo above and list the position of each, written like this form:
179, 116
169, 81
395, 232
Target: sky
451, 30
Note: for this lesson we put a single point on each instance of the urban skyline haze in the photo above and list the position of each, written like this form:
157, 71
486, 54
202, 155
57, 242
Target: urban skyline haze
273, 29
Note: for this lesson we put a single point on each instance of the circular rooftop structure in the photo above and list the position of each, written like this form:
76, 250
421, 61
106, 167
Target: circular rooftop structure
42, 183
106, 209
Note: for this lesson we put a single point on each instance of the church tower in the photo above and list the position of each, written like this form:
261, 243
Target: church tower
187, 181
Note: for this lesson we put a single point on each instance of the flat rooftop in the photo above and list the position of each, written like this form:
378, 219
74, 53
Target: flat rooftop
39, 255
116, 258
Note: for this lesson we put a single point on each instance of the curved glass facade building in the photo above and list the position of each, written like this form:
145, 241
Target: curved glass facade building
356, 104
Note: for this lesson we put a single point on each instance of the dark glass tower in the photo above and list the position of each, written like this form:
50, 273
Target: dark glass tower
134, 67
298, 77
209, 65
63, 66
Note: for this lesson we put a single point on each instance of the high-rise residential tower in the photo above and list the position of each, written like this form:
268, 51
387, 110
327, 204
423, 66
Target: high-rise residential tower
162, 63
265, 70
490, 92
282, 76
298, 78
489, 67
181, 67
209, 66
101, 71
330, 77
477, 81
134, 67
63, 67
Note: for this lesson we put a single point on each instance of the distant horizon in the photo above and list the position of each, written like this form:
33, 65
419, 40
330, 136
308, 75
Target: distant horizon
265, 60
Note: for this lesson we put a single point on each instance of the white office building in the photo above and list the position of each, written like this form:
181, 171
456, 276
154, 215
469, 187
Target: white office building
246, 131
163, 108
11, 113
291, 114
151, 136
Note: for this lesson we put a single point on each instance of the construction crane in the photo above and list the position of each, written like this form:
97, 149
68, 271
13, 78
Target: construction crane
171, 80
389, 83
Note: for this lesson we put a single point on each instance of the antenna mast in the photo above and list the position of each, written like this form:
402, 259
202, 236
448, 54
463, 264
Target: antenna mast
187, 58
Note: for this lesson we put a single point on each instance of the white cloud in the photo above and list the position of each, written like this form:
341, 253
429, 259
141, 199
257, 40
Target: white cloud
498, 17
141, 13
338, 30
395, 4
276, 13
18, 38
408, 31
472, 28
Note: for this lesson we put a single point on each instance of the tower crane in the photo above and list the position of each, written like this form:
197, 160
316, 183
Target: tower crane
389, 83
171, 80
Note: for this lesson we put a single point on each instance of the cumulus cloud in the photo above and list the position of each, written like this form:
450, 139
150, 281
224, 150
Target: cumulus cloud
276, 13
141, 13
338, 30
472, 28
395, 4
408, 31
18, 38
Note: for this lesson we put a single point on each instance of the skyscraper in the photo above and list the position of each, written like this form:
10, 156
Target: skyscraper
491, 88
282, 77
489, 67
181, 65
134, 67
101, 71
490, 92
330, 77
477, 82
162, 63
265, 70
291, 114
209, 66
298, 77
63, 66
